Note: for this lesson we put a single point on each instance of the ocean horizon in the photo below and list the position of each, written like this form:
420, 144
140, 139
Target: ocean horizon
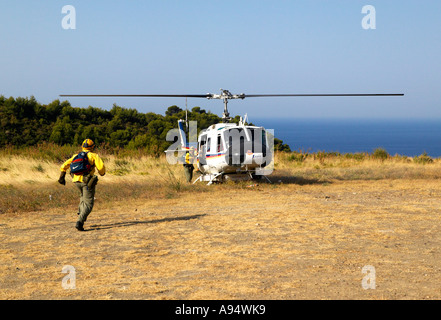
407, 137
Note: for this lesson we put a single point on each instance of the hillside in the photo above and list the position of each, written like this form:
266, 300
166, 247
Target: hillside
25, 122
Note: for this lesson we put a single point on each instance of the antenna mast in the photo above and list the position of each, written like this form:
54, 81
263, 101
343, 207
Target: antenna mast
186, 117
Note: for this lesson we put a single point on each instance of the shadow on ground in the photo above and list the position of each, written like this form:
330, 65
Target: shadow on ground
132, 223
286, 179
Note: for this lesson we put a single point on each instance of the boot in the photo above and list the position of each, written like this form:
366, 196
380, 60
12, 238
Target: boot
79, 226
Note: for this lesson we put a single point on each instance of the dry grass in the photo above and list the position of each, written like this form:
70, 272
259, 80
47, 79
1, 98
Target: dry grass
28, 184
152, 236
349, 168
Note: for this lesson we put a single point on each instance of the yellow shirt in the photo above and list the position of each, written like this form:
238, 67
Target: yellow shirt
189, 158
94, 160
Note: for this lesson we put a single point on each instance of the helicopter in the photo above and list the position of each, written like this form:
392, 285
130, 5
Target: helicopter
228, 151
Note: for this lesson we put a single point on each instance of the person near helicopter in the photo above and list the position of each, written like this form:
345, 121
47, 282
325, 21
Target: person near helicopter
188, 164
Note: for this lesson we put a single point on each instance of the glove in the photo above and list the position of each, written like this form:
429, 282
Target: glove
62, 179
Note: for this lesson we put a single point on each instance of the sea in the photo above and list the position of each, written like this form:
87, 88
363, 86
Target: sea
407, 137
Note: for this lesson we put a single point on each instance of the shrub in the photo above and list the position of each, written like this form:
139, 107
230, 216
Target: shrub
355, 156
322, 155
423, 159
298, 157
38, 168
380, 154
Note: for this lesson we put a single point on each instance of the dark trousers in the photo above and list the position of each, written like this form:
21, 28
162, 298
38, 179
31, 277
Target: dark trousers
188, 169
87, 196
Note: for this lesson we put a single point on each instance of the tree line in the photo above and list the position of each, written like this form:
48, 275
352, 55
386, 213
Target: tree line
25, 122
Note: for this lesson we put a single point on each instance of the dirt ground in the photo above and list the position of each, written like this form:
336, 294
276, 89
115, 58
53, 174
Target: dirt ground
266, 241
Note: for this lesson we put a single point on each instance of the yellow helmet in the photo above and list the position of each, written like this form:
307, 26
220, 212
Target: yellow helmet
88, 145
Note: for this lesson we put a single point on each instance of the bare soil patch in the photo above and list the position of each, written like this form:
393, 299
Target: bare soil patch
267, 241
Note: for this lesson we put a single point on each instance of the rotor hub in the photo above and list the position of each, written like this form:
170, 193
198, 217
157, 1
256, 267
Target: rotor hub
225, 95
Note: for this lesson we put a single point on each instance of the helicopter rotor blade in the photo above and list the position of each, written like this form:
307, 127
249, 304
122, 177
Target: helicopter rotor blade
324, 95
138, 95
242, 96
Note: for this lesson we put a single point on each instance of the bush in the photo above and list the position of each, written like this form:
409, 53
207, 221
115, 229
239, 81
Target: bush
355, 156
298, 157
38, 168
322, 155
380, 154
423, 159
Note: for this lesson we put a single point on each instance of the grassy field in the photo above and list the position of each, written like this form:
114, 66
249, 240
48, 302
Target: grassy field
306, 235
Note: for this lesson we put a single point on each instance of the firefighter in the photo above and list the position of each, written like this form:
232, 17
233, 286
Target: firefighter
188, 164
85, 181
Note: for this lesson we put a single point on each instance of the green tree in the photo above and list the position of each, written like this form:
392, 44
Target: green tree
63, 131
25, 122
172, 110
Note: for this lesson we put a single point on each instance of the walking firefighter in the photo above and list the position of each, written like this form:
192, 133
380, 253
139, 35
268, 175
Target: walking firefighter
82, 169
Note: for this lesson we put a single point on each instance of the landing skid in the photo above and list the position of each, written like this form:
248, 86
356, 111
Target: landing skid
210, 178
253, 177
220, 177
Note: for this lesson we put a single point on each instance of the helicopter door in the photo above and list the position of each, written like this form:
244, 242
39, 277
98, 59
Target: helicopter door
203, 150
236, 147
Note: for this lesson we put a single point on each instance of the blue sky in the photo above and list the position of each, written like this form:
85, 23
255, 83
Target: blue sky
251, 47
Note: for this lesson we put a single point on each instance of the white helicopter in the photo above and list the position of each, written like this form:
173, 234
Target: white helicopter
229, 151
